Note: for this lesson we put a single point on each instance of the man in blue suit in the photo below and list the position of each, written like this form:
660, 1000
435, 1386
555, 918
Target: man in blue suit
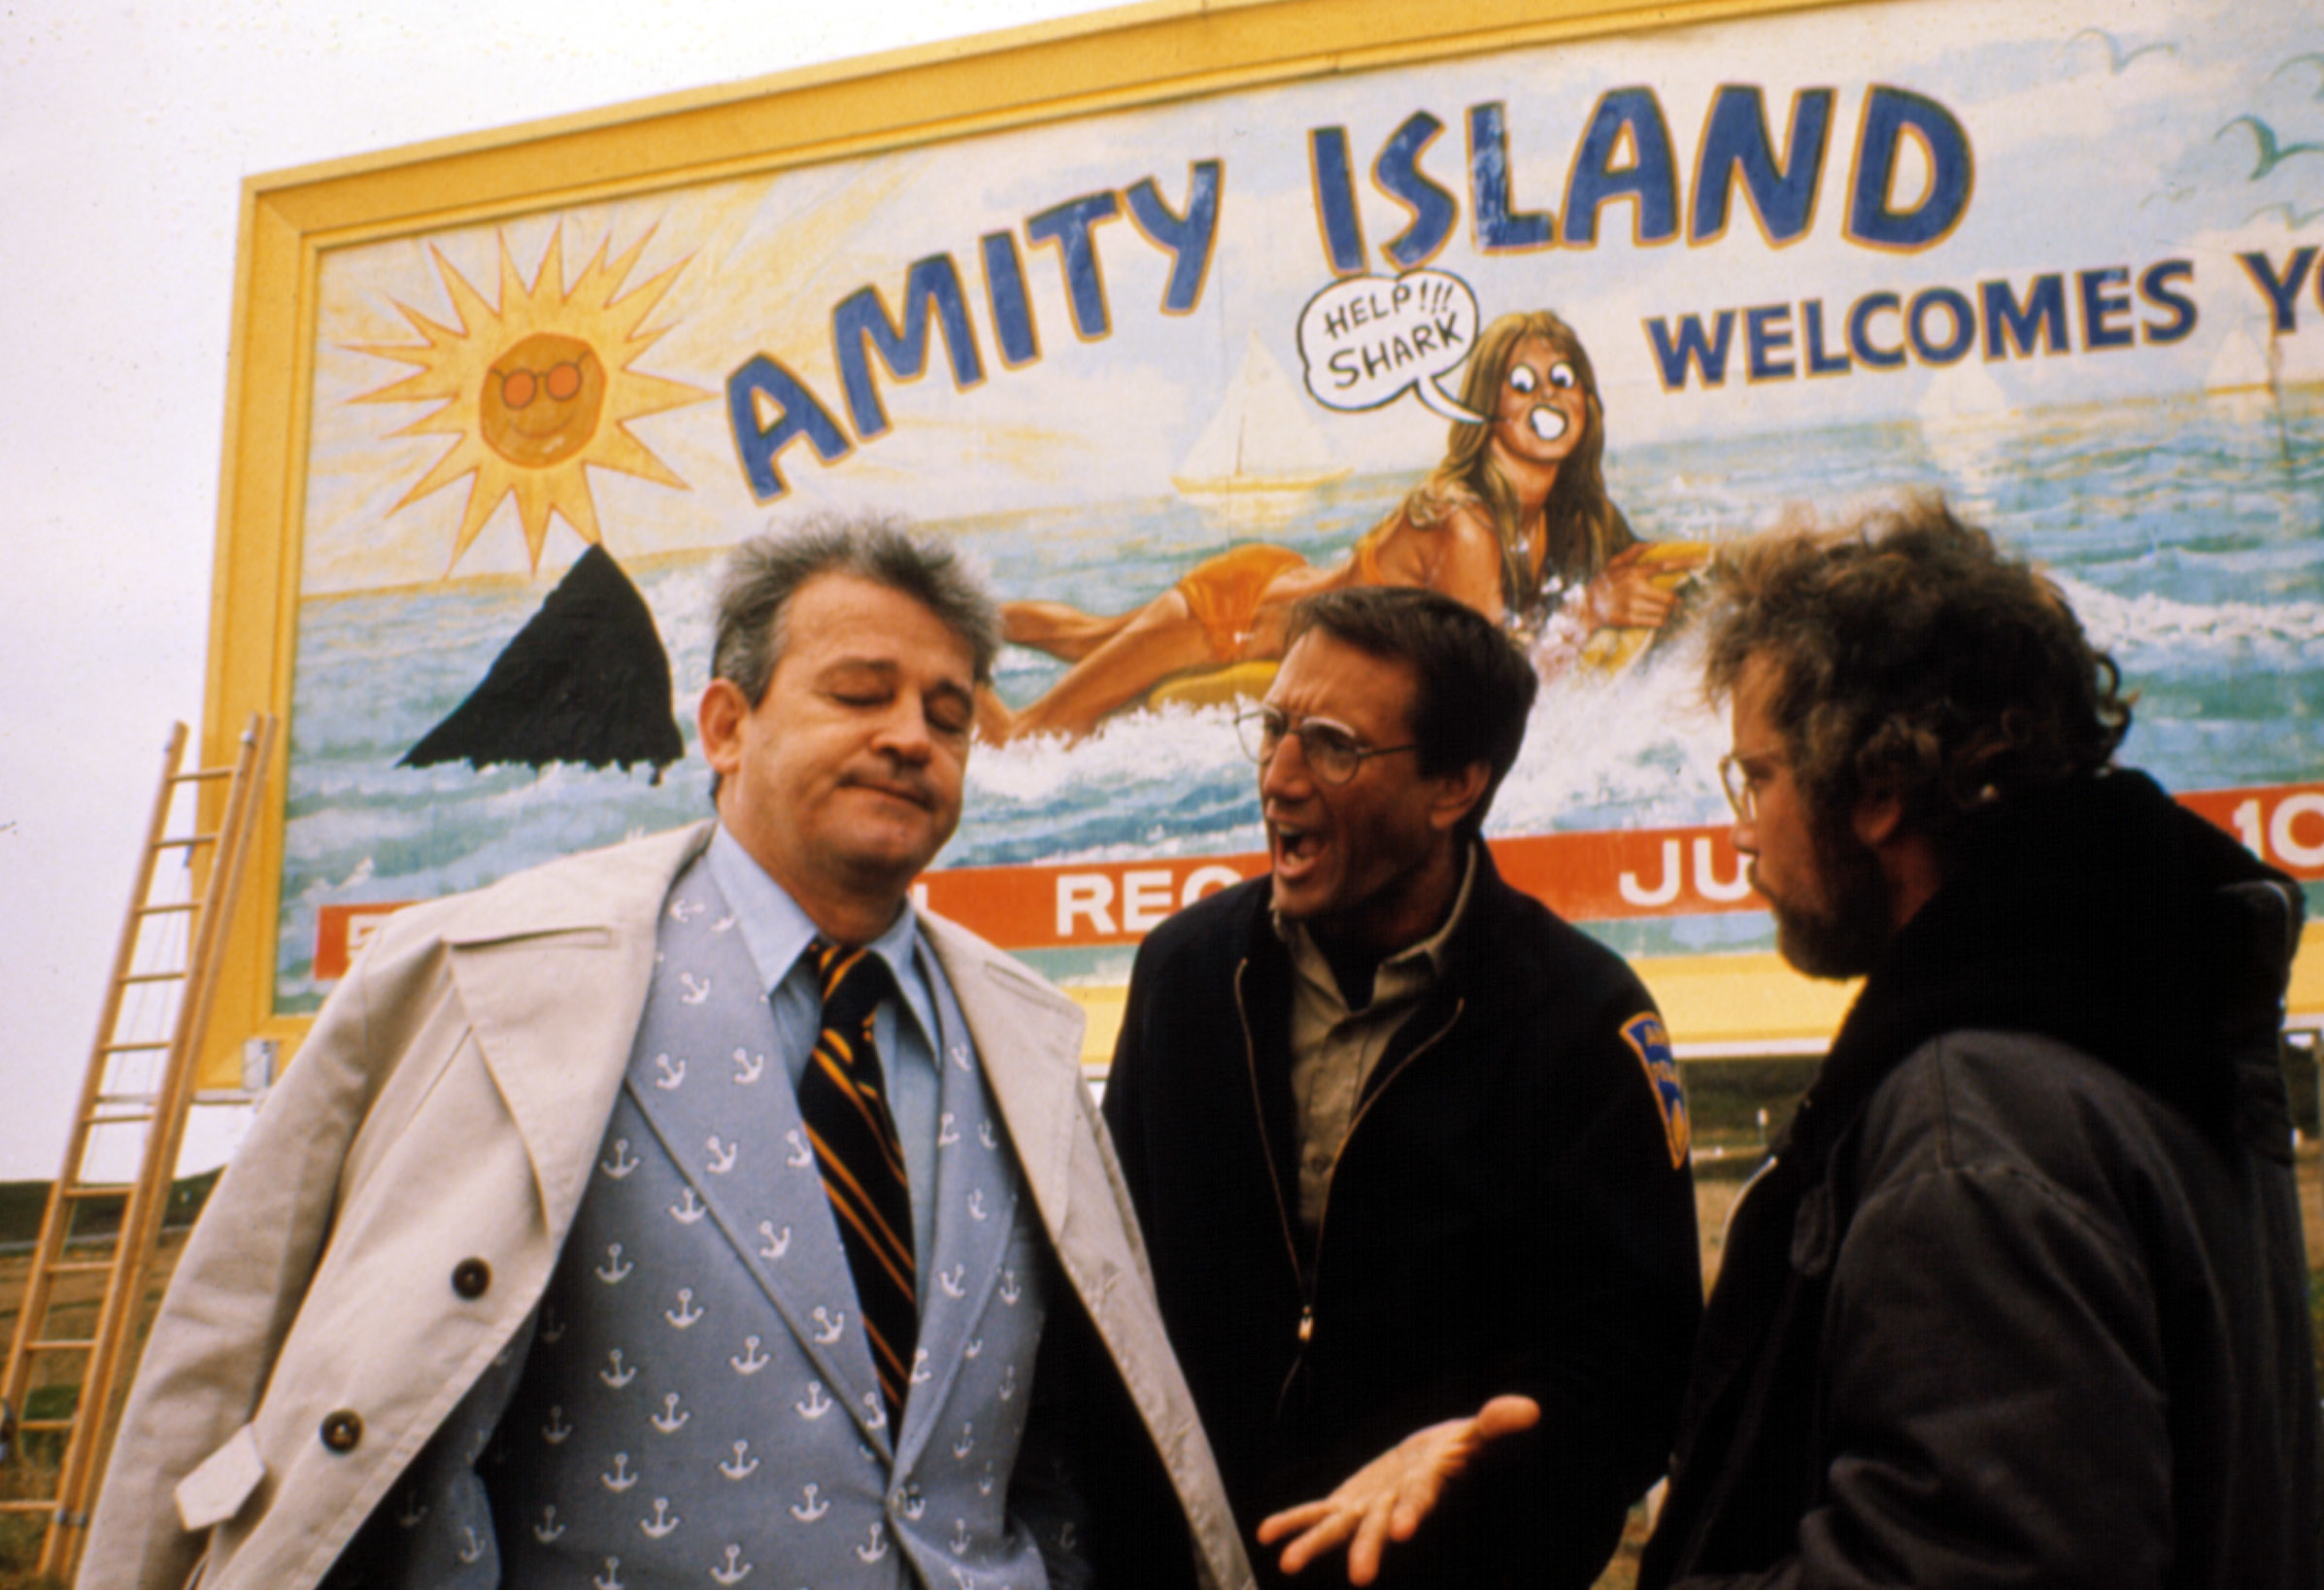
546, 1265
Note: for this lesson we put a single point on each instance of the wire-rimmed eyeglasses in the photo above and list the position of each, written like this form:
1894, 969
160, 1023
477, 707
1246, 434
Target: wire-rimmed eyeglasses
1742, 786
1331, 750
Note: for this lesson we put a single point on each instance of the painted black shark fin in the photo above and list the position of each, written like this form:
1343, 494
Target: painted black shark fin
584, 681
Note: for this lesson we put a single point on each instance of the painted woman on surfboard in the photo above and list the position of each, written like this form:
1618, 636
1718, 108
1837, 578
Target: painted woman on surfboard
1515, 522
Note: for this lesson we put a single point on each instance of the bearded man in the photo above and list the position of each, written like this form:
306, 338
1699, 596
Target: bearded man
2021, 1299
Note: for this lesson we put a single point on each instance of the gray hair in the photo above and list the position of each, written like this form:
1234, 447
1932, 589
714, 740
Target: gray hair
765, 573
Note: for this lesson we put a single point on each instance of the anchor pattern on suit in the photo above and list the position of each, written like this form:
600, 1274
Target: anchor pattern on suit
714, 1409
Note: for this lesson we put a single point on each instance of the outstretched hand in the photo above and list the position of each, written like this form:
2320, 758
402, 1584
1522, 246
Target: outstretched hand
1389, 1497
1625, 592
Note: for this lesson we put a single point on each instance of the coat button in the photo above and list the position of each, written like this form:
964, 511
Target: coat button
470, 1279
342, 1431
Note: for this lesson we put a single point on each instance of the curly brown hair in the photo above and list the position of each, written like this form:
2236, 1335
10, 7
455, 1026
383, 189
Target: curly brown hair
1915, 658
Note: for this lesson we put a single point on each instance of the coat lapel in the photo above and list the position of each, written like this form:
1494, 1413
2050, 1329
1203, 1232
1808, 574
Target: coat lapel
552, 969
778, 1219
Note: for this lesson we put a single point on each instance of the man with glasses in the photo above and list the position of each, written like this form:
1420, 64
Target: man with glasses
1420, 1216
2021, 1300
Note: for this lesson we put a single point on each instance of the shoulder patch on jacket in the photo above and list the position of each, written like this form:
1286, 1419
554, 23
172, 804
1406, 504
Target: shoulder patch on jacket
1650, 1041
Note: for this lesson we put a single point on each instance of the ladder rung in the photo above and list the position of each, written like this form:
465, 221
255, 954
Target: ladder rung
116, 1096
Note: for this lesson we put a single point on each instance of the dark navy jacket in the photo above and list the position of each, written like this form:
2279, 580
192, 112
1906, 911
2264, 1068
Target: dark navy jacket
1508, 1215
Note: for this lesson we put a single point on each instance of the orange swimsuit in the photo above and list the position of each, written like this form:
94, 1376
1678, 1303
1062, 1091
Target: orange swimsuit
1224, 593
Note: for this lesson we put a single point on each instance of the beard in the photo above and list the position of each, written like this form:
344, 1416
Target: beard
1844, 934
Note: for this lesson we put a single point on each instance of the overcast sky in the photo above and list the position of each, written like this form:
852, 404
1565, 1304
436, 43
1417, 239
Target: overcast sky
125, 131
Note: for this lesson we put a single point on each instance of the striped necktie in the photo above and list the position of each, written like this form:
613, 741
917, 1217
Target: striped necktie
843, 1101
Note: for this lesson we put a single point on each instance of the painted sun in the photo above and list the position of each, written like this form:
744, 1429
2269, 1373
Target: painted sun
536, 389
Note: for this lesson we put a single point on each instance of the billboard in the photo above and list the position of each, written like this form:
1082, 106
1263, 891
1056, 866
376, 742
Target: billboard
1244, 301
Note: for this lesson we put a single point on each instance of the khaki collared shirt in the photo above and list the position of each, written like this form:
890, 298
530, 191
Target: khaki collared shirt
1333, 1049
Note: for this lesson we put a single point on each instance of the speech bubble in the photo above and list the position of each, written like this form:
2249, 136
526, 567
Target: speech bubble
1366, 339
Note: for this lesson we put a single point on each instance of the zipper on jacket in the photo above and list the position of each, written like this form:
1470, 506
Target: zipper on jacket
1266, 1150
1306, 1274
1362, 1108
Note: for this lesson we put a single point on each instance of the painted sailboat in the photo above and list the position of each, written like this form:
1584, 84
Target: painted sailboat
1262, 453
1971, 429
2247, 363
2247, 374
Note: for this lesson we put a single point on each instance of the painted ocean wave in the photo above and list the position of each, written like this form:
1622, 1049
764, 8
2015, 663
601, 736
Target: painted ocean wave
2188, 534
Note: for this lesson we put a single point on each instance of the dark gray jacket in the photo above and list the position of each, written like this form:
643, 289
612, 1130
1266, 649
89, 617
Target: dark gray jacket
2023, 1300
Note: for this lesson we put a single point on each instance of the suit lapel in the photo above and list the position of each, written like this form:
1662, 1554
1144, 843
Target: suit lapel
722, 1103
976, 1196
1029, 1038
554, 979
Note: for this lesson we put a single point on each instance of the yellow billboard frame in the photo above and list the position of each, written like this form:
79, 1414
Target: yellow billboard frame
1106, 62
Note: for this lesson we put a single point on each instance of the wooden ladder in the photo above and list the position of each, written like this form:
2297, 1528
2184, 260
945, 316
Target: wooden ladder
104, 1214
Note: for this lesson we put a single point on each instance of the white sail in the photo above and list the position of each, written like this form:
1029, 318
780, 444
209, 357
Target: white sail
1261, 440
1964, 394
1968, 428
2246, 361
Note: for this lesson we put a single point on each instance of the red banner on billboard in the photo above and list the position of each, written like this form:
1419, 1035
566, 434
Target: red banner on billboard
1583, 877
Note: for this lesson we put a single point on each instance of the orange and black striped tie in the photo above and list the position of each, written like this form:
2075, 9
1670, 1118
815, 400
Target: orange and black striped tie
843, 1099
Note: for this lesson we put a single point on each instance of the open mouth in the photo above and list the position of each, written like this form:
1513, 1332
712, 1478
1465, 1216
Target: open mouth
1296, 848
1548, 423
